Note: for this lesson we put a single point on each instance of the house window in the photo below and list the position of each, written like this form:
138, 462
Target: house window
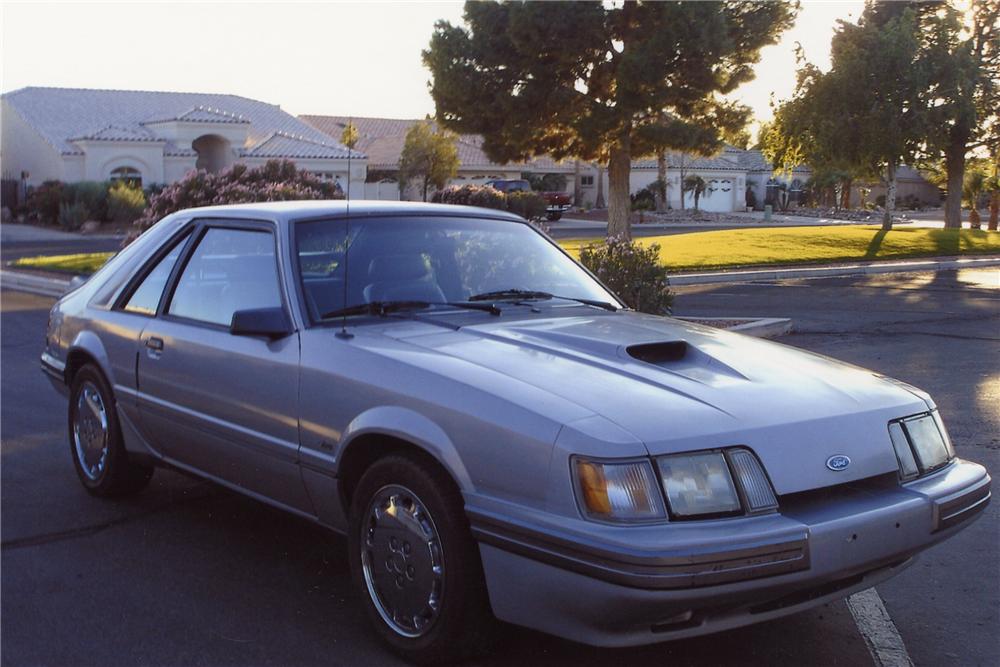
127, 174
586, 181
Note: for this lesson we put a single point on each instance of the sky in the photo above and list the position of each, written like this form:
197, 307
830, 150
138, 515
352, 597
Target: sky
338, 58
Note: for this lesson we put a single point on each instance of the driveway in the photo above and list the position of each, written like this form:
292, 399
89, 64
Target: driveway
188, 573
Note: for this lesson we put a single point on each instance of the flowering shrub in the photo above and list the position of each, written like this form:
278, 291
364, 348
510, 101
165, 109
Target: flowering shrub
125, 202
528, 205
277, 180
633, 272
472, 195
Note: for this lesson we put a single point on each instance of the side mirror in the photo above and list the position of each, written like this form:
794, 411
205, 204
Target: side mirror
270, 322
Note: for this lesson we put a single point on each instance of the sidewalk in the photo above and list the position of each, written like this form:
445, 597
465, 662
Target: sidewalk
11, 232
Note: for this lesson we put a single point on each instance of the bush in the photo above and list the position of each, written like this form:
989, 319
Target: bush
472, 195
633, 272
528, 205
751, 198
42, 203
93, 195
72, 216
125, 202
277, 180
644, 200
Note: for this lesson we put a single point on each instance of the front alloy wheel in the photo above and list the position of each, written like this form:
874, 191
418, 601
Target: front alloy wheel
415, 562
402, 560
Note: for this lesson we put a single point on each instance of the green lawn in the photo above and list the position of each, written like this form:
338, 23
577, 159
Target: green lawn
86, 262
731, 248
809, 245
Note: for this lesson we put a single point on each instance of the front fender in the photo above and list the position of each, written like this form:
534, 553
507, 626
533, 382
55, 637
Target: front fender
405, 424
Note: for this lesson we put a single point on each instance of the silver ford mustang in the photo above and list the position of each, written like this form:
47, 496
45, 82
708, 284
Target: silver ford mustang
494, 432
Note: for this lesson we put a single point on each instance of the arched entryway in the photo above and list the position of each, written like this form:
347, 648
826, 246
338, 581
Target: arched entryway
214, 153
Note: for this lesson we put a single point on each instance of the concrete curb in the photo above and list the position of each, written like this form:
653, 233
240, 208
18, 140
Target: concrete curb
27, 282
840, 270
761, 327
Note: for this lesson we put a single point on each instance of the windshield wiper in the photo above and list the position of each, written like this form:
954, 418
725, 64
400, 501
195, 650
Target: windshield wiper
527, 295
383, 308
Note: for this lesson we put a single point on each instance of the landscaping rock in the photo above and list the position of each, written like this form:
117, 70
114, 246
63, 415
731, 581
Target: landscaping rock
90, 227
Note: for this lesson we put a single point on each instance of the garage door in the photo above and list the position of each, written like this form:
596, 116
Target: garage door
719, 199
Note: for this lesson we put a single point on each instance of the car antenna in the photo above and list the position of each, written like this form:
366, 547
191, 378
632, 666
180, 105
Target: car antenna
344, 333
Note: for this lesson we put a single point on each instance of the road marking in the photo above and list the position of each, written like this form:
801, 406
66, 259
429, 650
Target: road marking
876, 626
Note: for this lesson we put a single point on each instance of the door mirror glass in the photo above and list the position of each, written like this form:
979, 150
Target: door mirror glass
270, 322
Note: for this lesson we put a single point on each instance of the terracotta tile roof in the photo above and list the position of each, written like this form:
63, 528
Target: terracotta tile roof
118, 133
382, 140
678, 160
283, 144
60, 115
202, 114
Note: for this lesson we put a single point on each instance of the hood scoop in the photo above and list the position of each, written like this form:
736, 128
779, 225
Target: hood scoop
682, 358
659, 353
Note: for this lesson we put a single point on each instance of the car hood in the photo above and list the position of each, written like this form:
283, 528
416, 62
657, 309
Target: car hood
678, 386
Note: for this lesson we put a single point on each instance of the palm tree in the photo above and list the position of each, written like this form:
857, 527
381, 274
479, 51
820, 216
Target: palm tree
696, 184
976, 184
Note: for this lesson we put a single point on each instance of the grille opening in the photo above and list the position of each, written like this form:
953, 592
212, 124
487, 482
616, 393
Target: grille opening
659, 353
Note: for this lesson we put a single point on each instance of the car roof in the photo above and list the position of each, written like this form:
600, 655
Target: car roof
292, 210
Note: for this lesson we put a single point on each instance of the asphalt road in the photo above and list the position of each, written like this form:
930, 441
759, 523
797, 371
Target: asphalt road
190, 574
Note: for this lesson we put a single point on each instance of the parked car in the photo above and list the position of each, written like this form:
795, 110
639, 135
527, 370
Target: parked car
556, 203
496, 434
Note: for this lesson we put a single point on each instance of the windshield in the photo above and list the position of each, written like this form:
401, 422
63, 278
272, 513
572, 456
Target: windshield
434, 261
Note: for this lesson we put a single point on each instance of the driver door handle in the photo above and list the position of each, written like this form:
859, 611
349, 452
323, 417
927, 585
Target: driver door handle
154, 343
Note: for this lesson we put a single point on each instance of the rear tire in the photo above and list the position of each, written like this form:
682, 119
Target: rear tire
552, 217
415, 563
95, 439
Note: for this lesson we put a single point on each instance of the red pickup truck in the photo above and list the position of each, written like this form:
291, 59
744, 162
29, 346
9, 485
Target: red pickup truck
556, 203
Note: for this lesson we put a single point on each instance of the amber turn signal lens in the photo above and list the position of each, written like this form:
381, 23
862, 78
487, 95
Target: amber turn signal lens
619, 491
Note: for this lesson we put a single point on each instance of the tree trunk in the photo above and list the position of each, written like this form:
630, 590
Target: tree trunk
426, 182
619, 208
599, 202
577, 196
684, 176
994, 211
661, 178
845, 202
955, 166
890, 195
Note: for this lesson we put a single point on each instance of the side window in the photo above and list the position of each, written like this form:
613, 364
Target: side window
147, 296
230, 270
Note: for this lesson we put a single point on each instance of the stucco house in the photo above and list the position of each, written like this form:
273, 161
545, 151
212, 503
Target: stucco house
727, 174
382, 139
155, 137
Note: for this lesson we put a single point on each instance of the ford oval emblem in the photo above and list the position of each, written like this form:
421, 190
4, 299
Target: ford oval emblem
838, 462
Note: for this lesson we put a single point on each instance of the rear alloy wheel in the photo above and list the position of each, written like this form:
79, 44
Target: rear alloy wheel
415, 562
99, 455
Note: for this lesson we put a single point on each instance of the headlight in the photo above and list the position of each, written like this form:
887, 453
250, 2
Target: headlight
921, 444
698, 484
619, 491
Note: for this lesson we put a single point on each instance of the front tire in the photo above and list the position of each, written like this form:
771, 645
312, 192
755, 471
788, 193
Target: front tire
553, 216
415, 563
95, 439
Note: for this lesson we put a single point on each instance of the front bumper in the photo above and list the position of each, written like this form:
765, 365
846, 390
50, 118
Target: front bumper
618, 586
55, 370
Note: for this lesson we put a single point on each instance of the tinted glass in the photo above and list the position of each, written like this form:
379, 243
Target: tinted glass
431, 259
230, 270
146, 297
